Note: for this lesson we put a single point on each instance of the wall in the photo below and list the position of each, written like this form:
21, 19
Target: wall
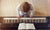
0, 7
41, 7
8, 7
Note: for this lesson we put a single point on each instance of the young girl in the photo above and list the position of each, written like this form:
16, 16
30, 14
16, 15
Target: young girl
24, 10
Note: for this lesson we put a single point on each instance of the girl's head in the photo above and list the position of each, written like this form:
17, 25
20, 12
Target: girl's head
25, 7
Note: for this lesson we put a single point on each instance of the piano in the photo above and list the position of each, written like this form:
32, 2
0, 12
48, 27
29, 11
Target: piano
41, 22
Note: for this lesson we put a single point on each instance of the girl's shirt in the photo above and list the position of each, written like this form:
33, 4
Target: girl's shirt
23, 13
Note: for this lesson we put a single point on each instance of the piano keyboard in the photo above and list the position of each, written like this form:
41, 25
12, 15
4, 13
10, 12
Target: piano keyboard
24, 20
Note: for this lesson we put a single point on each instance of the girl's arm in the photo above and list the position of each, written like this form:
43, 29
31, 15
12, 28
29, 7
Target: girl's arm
18, 15
17, 11
31, 13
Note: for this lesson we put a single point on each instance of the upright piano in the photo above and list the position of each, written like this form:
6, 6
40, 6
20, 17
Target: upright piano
10, 23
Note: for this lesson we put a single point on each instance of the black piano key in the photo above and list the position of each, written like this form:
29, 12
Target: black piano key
24, 21
34, 21
43, 21
21, 20
30, 20
39, 20
18, 20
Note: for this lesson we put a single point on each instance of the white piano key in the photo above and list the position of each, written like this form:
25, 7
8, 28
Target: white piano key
8, 21
11, 21
5, 21
14, 21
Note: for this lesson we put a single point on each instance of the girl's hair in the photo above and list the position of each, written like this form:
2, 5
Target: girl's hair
25, 7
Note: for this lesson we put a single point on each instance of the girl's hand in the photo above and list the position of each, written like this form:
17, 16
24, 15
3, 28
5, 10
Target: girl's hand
18, 17
31, 16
